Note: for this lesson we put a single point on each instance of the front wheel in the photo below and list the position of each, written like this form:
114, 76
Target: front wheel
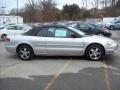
94, 52
25, 52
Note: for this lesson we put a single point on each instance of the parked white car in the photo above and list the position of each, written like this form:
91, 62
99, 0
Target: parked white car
13, 30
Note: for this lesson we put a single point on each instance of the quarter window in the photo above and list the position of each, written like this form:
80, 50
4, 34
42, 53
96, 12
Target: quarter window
46, 32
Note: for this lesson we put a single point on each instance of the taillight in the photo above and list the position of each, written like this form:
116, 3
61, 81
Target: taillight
7, 39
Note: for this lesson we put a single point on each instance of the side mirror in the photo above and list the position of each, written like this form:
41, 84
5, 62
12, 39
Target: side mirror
74, 36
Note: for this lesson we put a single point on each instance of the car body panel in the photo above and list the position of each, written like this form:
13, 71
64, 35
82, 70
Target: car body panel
10, 29
61, 46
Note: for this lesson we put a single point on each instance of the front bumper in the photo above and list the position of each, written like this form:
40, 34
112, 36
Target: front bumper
112, 51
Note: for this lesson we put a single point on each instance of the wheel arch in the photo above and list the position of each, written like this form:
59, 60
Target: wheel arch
24, 44
94, 44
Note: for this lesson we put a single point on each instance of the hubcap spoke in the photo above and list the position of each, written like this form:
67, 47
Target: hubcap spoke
24, 53
95, 53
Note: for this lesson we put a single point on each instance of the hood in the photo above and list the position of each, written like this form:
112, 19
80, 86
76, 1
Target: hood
109, 23
97, 38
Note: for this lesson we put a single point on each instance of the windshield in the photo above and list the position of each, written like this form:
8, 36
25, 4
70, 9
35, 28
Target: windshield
26, 26
78, 31
95, 26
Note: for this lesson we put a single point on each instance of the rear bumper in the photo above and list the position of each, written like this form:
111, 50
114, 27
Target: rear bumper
10, 48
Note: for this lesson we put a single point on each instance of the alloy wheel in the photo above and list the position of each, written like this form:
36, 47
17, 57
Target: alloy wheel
25, 52
95, 53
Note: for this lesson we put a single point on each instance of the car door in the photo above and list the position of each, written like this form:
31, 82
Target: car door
60, 42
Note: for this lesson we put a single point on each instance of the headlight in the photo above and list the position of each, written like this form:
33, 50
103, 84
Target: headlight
110, 43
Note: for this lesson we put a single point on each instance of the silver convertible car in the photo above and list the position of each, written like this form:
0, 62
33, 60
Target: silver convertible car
58, 40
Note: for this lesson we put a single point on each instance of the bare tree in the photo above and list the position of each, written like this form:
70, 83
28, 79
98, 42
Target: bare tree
31, 8
48, 10
95, 4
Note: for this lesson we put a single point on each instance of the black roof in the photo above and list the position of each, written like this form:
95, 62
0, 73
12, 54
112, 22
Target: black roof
35, 30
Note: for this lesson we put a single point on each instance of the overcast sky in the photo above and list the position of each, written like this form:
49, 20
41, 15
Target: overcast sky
9, 4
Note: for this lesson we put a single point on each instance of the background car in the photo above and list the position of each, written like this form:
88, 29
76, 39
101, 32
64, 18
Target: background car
13, 30
90, 28
113, 25
56, 40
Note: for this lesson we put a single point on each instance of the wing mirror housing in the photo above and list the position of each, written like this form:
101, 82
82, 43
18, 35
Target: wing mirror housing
74, 36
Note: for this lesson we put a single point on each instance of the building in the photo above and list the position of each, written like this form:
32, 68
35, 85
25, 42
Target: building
10, 19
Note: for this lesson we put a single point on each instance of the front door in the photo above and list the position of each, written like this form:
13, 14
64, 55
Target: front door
59, 41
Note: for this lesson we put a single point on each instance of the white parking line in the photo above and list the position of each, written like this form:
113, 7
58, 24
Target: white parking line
107, 79
56, 76
11, 68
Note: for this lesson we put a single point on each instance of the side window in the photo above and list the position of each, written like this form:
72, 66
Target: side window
46, 32
19, 28
63, 33
83, 26
70, 33
60, 32
75, 25
11, 28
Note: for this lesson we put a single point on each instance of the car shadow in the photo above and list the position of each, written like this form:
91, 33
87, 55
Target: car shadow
16, 57
59, 58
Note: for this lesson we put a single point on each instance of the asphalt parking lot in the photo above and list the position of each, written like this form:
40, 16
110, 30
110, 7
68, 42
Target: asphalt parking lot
59, 73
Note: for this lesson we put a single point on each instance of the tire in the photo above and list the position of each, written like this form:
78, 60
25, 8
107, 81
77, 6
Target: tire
25, 52
3, 37
95, 52
112, 28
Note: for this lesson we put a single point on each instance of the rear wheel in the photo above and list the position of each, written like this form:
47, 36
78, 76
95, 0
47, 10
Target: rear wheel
3, 37
94, 52
25, 52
